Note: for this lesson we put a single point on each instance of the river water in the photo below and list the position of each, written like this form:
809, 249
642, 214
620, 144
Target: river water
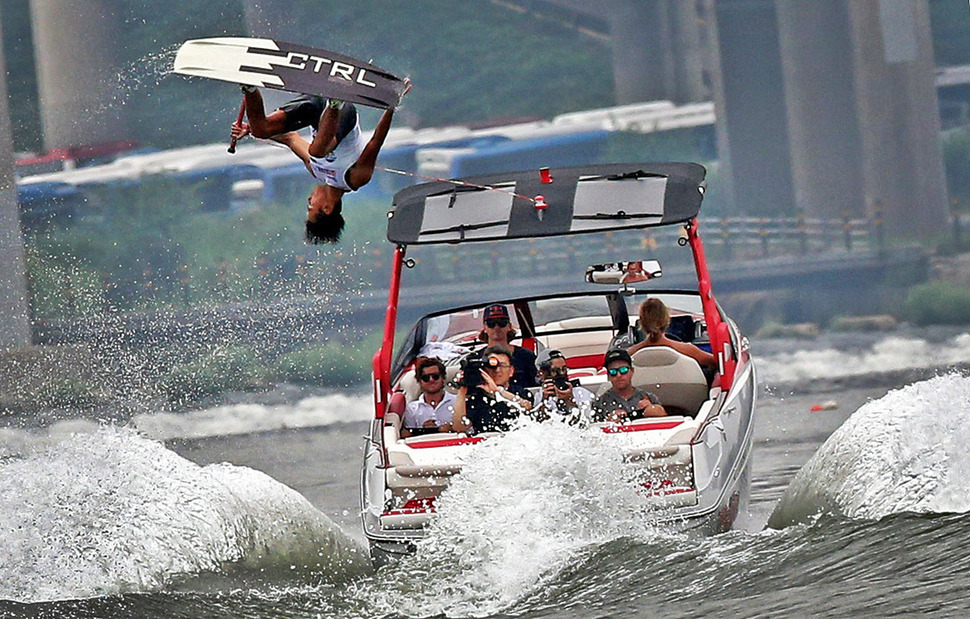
251, 510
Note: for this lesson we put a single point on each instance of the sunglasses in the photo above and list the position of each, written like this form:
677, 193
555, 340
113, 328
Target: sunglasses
427, 378
625, 369
497, 322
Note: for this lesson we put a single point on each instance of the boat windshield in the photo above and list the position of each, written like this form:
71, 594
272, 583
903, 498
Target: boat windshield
551, 315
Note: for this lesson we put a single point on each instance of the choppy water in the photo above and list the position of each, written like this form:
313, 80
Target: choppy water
108, 522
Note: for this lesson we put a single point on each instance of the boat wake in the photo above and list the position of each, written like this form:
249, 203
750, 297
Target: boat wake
110, 512
905, 452
815, 369
526, 508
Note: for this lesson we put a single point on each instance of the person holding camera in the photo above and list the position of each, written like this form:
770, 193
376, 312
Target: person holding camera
434, 408
497, 330
561, 398
486, 401
624, 402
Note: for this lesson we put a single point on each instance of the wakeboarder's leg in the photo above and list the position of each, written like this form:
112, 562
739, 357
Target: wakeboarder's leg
261, 125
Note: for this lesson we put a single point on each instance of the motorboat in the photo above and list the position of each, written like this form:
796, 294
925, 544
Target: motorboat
692, 466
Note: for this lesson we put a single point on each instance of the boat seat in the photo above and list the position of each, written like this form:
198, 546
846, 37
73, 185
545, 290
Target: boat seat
580, 349
673, 377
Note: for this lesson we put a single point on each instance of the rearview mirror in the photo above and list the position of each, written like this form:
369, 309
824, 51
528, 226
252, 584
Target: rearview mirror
627, 272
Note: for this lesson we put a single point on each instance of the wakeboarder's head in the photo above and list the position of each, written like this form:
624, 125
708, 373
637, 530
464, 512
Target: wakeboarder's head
324, 223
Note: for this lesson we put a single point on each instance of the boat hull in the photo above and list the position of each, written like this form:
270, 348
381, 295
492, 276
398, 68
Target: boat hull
721, 453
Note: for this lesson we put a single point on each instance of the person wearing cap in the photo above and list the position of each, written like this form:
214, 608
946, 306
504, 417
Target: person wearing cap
434, 408
624, 402
497, 330
493, 405
560, 399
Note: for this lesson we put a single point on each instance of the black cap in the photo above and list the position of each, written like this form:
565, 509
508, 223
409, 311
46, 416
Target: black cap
545, 357
617, 354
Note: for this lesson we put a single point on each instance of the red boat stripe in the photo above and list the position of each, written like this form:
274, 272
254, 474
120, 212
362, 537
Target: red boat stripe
640, 427
446, 442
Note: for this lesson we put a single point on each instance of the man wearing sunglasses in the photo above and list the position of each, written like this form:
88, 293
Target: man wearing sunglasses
497, 330
493, 405
434, 408
624, 402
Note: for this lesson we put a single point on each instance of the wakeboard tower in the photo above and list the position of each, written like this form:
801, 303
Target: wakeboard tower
266, 63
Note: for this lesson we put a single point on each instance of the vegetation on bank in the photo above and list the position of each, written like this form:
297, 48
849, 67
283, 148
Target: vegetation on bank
937, 303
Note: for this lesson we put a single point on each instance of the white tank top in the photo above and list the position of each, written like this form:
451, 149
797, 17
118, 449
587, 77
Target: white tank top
332, 168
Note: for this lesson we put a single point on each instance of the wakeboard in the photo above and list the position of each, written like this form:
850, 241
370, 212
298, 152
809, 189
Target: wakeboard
267, 63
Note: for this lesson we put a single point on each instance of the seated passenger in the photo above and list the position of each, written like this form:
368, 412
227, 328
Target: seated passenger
624, 402
497, 330
487, 402
559, 398
434, 408
654, 320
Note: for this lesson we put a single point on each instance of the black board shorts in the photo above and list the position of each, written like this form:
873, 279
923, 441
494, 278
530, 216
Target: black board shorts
305, 111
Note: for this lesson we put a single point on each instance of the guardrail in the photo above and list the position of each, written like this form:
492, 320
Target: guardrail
797, 235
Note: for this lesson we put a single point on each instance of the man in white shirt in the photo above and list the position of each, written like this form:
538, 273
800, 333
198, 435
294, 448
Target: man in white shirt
433, 410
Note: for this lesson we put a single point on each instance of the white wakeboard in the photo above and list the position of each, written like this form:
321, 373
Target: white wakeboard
267, 63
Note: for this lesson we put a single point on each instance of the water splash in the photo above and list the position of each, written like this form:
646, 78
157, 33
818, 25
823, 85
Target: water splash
110, 512
905, 452
525, 508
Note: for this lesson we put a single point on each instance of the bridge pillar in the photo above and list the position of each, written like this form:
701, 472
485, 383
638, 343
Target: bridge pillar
899, 114
77, 71
657, 51
749, 98
14, 313
829, 107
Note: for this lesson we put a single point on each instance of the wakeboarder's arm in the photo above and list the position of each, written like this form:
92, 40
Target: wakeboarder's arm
295, 142
360, 173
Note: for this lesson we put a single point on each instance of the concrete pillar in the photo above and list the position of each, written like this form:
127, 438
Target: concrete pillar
14, 312
689, 52
898, 114
641, 50
77, 73
820, 105
749, 99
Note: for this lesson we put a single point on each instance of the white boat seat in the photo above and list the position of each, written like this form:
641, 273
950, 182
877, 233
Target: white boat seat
580, 349
673, 377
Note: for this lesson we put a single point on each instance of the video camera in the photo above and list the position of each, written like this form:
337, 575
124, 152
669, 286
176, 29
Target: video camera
471, 372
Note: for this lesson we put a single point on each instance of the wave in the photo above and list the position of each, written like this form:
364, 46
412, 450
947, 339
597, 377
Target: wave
888, 355
905, 452
111, 512
235, 419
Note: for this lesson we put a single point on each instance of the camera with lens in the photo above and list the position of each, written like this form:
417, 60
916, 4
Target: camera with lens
471, 372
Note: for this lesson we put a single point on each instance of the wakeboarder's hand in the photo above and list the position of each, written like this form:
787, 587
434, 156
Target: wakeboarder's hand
239, 131
407, 89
